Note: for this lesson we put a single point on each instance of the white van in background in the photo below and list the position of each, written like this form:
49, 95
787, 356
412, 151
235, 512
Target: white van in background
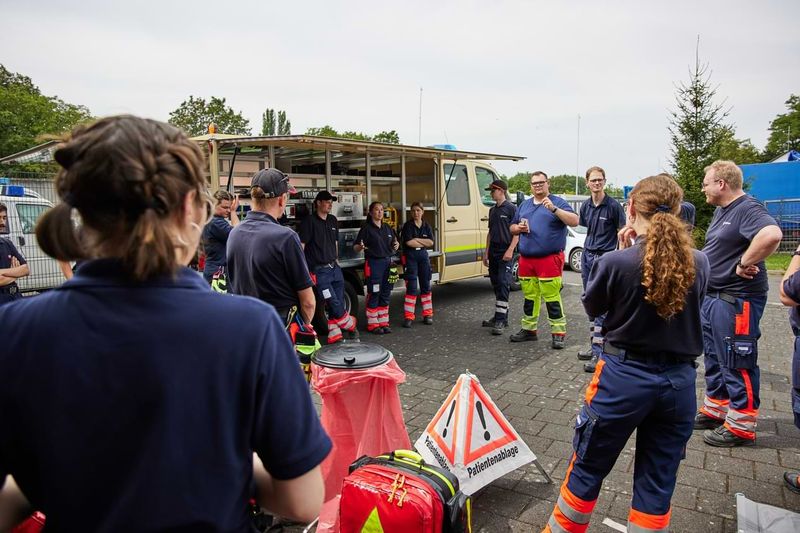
24, 209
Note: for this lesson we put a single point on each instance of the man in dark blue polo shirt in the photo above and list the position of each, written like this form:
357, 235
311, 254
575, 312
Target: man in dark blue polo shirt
265, 259
741, 235
215, 233
499, 252
319, 237
12, 264
603, 217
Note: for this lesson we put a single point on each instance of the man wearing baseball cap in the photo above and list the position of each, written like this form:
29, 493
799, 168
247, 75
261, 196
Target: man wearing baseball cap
500, 245
265, 259
319, 237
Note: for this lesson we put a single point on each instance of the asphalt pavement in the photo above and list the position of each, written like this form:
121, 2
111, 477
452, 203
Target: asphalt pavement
540, 391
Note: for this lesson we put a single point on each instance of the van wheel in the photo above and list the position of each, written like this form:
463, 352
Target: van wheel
575, 259
350, 298
515, 285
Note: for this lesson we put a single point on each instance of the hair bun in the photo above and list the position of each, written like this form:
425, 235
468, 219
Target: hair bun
65, 156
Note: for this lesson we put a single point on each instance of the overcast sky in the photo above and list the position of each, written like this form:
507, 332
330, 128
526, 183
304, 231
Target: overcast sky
507, 77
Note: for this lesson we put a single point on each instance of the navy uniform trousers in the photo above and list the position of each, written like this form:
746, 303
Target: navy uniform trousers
655, 399
500, 276
595, 322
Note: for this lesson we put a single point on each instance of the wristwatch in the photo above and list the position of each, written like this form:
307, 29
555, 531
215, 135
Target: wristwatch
740, 265
555, 208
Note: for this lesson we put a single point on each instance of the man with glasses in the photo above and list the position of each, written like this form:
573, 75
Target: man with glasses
541, 224
265, 259
741, 235
216, 232
603, 217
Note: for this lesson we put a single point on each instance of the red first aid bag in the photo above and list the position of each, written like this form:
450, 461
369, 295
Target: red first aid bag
33, 524
400, 493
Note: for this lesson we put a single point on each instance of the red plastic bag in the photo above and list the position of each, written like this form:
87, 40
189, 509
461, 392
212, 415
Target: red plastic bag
362, 413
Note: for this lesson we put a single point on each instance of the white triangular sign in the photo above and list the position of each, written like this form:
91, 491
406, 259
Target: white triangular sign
470, 437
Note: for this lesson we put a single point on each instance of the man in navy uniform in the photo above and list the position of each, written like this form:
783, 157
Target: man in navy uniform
12, 264
499, 252
741, 235
603, 217
216, 232
265, 259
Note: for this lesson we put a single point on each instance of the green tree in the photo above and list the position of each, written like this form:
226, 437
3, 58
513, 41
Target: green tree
784, 131
195, 114
388, 137
26, 114
565, 184
268, 122
696, 130
284, 126
740, 152
519, 182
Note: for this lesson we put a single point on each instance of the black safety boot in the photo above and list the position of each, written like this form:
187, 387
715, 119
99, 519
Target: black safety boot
488, 323
558, 342
591, 365
585, 355
386, 329
428, 320
377, 331
407, 323
524, 335
722, 437
498, 329
703, 421
792, 481
353, 335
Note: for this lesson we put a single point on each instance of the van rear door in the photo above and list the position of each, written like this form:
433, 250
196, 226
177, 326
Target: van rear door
484, 176
461, 242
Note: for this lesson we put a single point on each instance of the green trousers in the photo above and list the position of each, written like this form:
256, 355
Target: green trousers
534, 289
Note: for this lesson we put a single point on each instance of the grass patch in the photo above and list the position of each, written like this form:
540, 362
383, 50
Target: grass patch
779, 261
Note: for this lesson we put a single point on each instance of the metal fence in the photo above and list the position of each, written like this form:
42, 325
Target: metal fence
787, 214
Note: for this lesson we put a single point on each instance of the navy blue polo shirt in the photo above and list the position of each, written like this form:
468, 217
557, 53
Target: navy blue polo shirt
320, 237
615, 287
137, 406
265, 261
548, 234
411, 231
731, 230
602, 222
377, 239
7, 251
688, 213
215, 240
500, 218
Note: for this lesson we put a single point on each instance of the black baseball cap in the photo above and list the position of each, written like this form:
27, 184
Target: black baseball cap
324, 196
273, 182
497, 184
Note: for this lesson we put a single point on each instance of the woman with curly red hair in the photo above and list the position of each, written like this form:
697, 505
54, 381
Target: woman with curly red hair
652, 291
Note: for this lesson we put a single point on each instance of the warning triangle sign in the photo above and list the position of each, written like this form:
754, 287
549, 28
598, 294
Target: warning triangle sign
470, 437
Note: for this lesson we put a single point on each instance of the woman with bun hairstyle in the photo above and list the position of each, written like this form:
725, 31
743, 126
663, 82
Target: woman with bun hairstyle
133, 397
652, 291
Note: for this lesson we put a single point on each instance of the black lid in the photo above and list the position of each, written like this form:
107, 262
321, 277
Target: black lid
352, 355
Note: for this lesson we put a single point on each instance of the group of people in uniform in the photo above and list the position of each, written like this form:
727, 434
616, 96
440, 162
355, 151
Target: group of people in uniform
138, 372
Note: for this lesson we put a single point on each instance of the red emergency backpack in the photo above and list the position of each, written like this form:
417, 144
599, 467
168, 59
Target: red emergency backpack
399, 493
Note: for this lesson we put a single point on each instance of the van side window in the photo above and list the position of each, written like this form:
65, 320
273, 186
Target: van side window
457, 184
485, 178
29, 214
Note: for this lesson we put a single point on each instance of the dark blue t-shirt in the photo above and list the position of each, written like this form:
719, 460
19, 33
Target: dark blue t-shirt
688, 213
215, 240
265, 261
602, 222
791, 288
615, 287
137, 407
548, 234
377, 239
728, 236
411, 231
500, 218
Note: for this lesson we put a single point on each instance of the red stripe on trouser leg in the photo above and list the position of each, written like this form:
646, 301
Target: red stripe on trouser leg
742, 422
383, 316
334, 333
347, 322
570, 513
567, 524
409, 304
742, 321
715, 408
748, 387
427, 305
372, 319
653, 522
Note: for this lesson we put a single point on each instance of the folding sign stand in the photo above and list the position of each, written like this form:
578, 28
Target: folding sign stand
470, 437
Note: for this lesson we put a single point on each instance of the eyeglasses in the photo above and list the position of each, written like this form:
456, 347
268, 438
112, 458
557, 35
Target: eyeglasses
538, 183
703, 185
